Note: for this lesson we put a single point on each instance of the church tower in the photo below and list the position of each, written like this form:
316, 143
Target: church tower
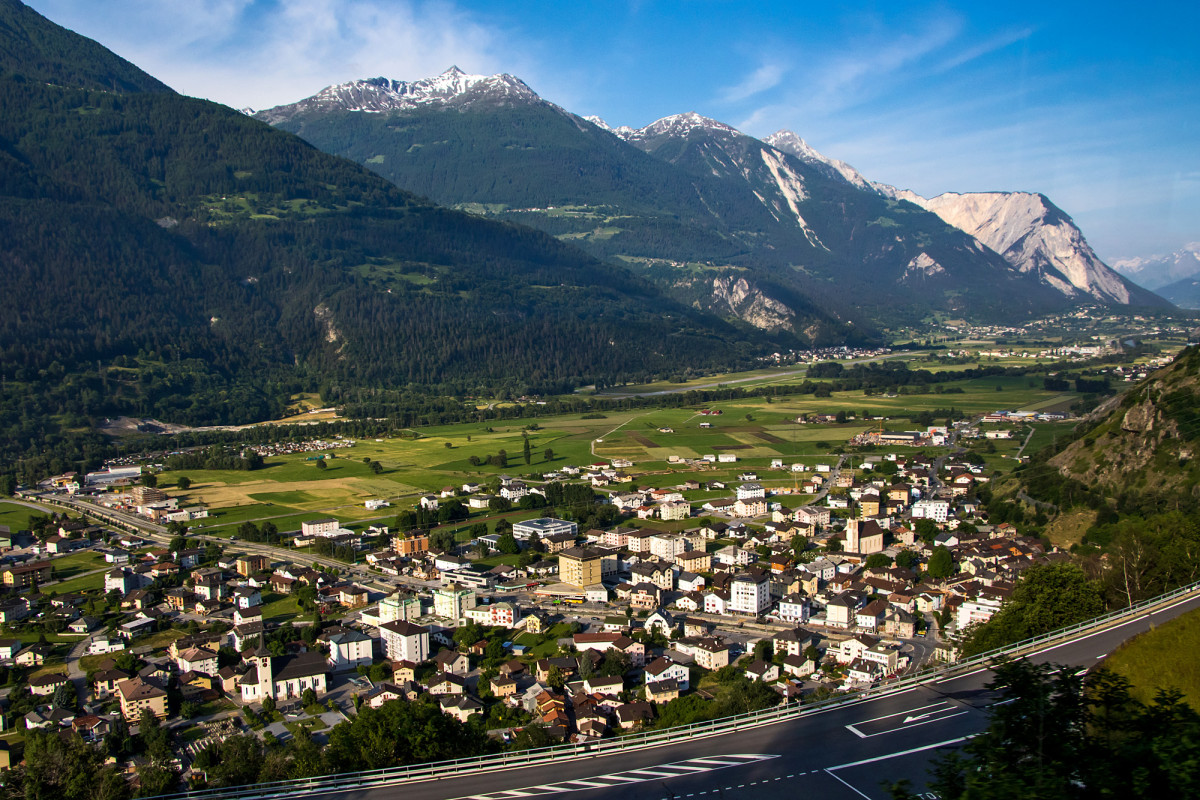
266, 678
852, 538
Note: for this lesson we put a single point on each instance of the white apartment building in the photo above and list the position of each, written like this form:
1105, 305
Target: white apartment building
751, 491
936, 510
403, 641
750, 594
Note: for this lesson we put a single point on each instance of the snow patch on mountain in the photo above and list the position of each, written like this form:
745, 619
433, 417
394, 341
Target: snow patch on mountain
624, 131
382, 95
677, 125
1031, 233
792, 144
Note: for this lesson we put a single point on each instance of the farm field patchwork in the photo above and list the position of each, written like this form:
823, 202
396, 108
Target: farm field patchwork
757, 430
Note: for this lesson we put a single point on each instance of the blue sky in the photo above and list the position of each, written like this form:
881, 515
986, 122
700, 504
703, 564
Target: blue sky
1097, 105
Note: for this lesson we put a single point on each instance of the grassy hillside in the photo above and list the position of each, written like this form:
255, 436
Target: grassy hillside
1163, 658
1146, 445
1128, 473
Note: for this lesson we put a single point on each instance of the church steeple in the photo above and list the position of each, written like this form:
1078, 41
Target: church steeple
266, 677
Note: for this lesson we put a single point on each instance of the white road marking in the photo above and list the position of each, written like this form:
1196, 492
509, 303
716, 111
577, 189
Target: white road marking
911, 720
933, 746
660, 771
848, 786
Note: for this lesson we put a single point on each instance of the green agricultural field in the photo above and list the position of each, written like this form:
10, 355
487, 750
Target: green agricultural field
17, 518
291, 489
69, 566
83, 583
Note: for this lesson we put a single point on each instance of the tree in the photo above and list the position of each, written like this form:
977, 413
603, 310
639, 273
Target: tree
878, 561
149, 479
926, 530
1055, 736
1048, 597
555, 678
308, 697
508, 543
268, 706
527, 451
184, 482
908, 559
321, 464
941, 563
64, 768
502, 459
155, 738
377, 468
799, 544
65, 697
549, 454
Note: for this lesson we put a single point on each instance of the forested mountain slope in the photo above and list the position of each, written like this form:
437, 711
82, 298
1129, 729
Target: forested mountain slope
166, 256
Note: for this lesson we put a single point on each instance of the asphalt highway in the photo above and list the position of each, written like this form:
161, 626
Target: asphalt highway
849, 752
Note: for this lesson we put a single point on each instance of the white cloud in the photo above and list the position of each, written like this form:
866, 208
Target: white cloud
865, 69
765, 77
998, 42
258, 54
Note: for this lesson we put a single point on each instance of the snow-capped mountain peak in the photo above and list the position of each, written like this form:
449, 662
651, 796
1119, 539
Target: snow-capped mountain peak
1157, 271
677, 125
790, 143
623, 131
382, 95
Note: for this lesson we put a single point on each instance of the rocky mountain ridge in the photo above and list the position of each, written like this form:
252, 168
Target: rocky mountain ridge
453, 88
1036, 237
797, 227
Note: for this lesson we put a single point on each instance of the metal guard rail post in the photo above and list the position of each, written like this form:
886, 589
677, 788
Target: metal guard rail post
503, 761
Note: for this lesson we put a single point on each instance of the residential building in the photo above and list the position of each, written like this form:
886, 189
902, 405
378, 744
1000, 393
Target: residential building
410, 544
936, 510
580, 566
749, 594
320, 527
348, 648
452, 601
662, 668
197, 659
22, 576
251, 564
137, 694
403, 641
751, 491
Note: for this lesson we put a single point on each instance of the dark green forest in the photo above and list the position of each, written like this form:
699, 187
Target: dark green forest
170, 257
